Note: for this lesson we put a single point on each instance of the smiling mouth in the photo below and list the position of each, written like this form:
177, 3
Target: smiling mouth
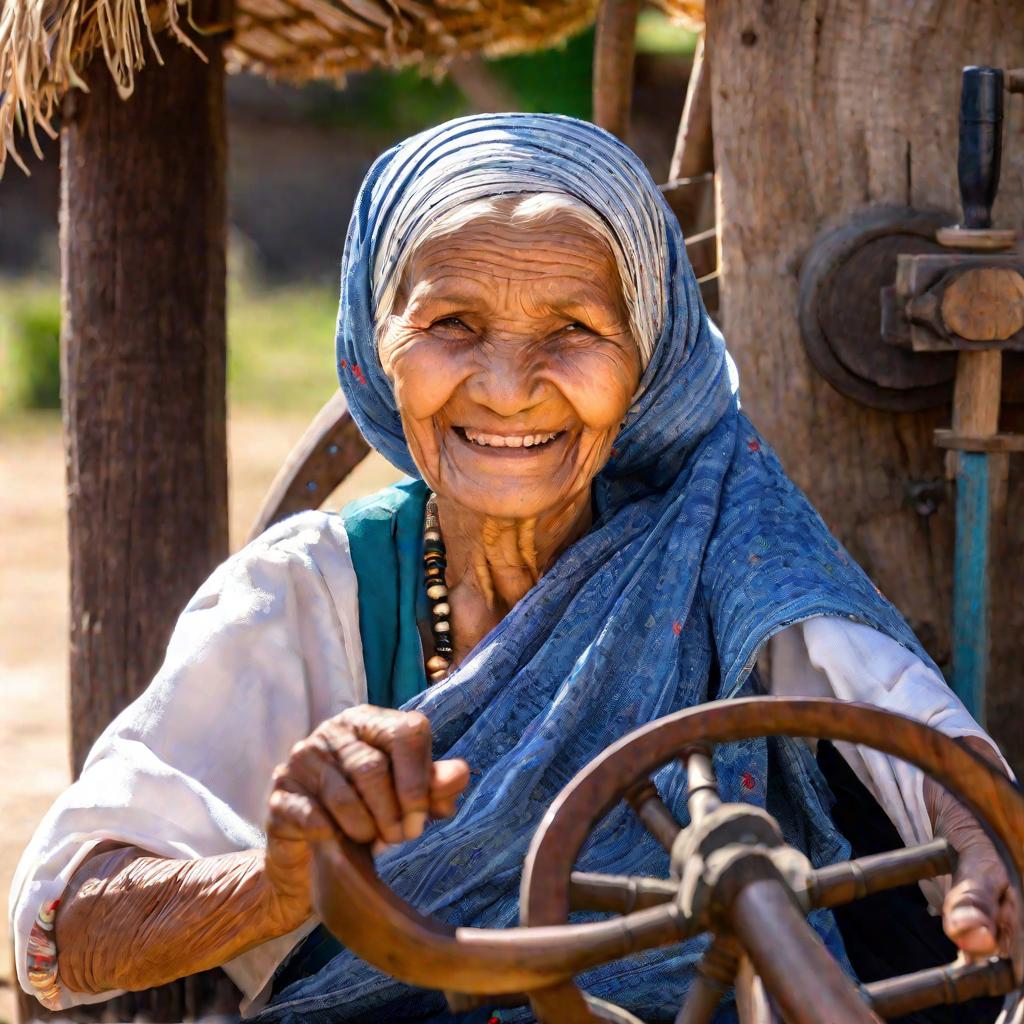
483, 439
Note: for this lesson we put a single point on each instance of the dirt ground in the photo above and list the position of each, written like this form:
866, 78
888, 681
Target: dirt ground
33, 609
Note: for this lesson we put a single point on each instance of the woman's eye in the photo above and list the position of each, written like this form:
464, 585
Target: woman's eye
577, 327
451, 323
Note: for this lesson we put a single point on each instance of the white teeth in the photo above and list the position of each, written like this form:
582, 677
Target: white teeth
508, 440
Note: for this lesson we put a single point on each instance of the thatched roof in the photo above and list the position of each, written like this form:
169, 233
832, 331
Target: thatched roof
44, 43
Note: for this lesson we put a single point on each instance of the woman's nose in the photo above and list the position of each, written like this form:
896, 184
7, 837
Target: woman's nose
506, 383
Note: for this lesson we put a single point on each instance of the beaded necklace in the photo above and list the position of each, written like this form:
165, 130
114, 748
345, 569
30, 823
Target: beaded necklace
435, 561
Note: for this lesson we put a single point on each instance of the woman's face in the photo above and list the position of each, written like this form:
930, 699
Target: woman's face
512, 362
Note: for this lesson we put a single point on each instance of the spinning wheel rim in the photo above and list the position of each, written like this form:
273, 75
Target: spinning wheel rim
997, 802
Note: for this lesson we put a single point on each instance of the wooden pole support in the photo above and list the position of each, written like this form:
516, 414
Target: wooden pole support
690, 176
614, 53
694, 150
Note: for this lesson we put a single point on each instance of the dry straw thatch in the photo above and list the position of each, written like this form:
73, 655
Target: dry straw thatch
44, 44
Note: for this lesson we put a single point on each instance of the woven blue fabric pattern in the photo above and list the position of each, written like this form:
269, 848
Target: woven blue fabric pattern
701, 549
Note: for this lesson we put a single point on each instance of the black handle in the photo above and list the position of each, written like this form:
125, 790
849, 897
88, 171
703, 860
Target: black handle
981, 143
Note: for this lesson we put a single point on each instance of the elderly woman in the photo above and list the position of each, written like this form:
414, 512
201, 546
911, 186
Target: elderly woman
593, 536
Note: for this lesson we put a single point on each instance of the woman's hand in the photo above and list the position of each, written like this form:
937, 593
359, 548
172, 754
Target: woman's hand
366, 772
978, 912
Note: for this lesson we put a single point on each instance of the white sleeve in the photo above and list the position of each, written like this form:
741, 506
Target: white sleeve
268, 648
834, 657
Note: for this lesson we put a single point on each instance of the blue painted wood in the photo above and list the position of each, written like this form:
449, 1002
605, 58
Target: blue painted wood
970, 582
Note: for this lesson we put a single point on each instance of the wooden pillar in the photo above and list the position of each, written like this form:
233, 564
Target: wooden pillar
821, 110
143, 282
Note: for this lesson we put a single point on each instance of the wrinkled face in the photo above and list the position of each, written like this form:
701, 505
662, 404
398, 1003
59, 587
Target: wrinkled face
512, 362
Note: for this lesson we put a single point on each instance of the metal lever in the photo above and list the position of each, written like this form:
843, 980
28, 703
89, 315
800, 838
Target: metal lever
981, 144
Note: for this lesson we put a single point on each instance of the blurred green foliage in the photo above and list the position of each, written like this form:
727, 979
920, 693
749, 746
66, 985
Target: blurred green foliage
393, 104
555, 81
656, 34
281, 346
30, 346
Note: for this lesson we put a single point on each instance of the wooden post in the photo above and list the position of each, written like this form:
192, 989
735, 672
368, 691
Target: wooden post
820, 112
693, 153
142, 232
143, 281
143, 347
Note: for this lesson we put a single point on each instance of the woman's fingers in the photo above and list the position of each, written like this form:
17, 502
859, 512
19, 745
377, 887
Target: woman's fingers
971, 912
368, 770
346, 807
448, 778
296, 815
405, 737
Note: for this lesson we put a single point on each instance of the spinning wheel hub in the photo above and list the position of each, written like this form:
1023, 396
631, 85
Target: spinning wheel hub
726, 849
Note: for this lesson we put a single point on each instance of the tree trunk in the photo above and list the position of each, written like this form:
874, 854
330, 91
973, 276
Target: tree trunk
820, 110
142, 247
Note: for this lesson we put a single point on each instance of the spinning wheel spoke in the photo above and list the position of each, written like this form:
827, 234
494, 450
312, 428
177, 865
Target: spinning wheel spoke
955, 983
716, 972
854, 879
702, 786
618, 894
652, 811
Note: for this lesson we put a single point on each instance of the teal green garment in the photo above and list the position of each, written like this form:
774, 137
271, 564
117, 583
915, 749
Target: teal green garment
385, 535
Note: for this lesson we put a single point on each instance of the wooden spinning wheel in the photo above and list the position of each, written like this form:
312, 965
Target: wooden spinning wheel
733, 876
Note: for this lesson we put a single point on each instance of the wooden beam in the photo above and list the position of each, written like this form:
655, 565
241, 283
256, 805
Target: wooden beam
143, 229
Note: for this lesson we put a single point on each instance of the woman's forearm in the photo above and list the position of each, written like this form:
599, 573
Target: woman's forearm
129, 920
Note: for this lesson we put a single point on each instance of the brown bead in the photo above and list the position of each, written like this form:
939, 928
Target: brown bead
437, 664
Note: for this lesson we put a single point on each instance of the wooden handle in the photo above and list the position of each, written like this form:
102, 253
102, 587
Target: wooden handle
981, 143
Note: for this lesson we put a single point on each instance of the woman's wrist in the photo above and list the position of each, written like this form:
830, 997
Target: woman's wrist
938, 800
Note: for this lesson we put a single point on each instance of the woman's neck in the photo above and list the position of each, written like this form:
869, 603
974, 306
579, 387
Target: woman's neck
493, 562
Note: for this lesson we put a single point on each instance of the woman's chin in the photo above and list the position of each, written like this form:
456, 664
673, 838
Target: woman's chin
508, 496
507, 502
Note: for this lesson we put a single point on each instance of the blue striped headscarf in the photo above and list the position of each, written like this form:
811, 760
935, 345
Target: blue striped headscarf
701, 549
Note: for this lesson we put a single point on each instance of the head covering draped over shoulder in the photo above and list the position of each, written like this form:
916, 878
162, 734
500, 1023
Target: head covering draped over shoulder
701, 549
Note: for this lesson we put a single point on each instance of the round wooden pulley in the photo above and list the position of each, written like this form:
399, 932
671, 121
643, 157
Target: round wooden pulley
841, 281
